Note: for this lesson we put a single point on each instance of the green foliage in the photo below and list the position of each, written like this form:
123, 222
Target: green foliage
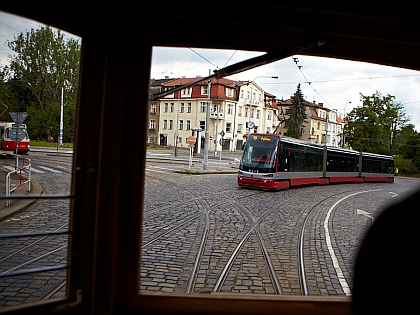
296, 115
407, 142
373, 126
43, 67
416, 160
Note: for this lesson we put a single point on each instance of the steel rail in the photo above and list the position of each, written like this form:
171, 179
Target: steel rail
254, 228
10, 272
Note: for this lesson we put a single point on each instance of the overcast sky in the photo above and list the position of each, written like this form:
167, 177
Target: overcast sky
333, 82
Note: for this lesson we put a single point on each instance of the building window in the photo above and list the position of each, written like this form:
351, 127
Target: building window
186, 92
229, 91
239, 128
258, 114
203, 124
189, 108
153, 108
188, 125
230, 109
241, 95
246, 112
165, 124
181, 108
251, 113
228, 127
152, 125
203, 107
181, 124
269, 113
171, 124
166, 108
204, 90
239, 110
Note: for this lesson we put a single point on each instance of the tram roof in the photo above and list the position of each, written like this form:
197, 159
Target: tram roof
331, 149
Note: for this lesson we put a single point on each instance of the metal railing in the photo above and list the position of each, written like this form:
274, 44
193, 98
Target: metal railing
20, 181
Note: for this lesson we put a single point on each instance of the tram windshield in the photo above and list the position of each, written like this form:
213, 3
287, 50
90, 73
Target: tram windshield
16, 133
259, 154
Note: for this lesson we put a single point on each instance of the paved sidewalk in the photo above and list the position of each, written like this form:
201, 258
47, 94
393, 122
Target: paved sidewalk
228, 163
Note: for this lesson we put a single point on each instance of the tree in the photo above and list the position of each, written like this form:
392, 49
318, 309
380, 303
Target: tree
373, 126
296, 115
44, 65
407, 142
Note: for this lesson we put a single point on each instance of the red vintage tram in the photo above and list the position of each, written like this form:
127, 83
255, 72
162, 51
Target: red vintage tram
12, 136
274, 162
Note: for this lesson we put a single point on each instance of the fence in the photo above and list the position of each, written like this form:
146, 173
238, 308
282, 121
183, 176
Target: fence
15, 178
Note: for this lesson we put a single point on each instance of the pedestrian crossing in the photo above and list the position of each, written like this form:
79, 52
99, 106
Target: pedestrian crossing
38, 170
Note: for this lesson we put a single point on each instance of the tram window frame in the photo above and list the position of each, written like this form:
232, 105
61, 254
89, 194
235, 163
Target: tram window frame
49, 303
119, 290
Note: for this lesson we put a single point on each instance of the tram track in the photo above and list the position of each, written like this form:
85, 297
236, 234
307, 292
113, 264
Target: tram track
325, 208
206, 210
254, 229
35, 241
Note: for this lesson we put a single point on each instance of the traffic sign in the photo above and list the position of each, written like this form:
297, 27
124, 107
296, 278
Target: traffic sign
191, 140
18, 117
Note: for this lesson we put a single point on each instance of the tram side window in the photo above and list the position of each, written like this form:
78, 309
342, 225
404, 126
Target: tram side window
377, 166
341, 163
304, 159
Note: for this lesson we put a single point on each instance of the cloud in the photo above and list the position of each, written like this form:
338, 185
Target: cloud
333, 82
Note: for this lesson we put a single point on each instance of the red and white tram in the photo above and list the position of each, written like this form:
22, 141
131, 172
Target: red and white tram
11, 136
274, 162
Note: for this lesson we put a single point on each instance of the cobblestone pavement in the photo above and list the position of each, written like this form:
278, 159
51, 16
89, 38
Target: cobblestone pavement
204, 234
20, 253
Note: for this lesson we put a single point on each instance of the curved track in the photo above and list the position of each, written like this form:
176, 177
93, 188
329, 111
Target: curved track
247, 241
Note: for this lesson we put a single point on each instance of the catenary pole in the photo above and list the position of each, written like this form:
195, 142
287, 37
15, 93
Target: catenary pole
206, 135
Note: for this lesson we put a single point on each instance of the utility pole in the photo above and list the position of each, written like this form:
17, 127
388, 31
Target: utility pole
217, 131
206, 134
60, 137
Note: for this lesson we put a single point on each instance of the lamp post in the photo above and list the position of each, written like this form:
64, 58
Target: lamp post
344, 127
206, 133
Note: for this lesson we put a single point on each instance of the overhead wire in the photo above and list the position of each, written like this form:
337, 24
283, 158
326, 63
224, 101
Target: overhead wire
217, 67
296, 61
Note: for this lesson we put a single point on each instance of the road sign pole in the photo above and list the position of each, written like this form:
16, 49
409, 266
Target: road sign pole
18, 118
